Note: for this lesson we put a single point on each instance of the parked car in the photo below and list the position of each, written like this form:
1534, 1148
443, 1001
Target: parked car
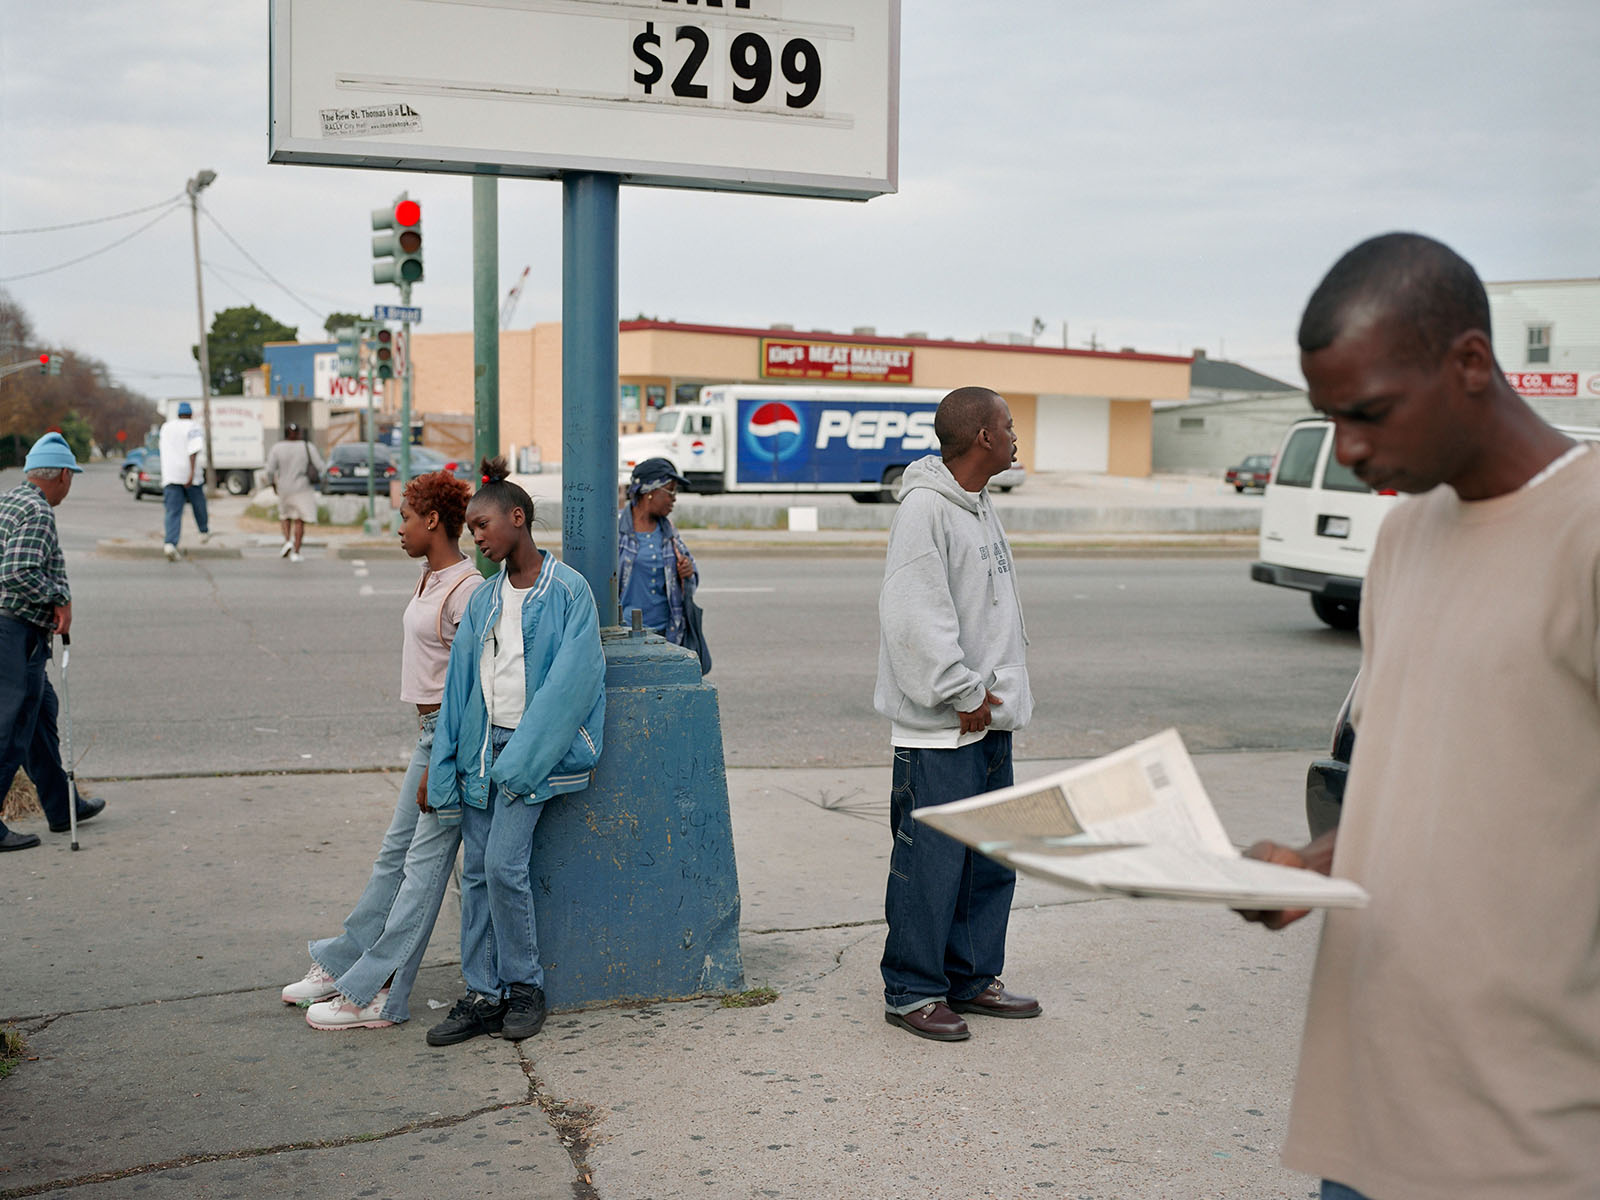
1253, 472
1011, 477
130, 467
146, 478
347, 467
1325, 778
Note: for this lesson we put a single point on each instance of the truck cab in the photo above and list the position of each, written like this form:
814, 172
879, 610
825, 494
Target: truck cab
692, 437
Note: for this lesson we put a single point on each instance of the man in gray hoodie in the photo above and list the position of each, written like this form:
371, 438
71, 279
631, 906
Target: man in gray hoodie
953, 679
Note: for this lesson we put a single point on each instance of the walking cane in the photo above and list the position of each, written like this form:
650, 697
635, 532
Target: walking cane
66, 712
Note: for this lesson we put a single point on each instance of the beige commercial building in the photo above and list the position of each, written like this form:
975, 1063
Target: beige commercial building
1075, 410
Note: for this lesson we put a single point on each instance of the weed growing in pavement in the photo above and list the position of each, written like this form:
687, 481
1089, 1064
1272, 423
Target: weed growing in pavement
12, 1048
754, 998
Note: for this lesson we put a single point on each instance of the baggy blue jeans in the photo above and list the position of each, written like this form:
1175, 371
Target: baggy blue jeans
947, 906
387, 932
499, 936
173, 498
1338, 1191
28, 737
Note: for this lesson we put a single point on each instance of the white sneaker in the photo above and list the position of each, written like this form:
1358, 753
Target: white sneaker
170, 551
317, 985
340, 1013
205, 536
287, 547
296, 556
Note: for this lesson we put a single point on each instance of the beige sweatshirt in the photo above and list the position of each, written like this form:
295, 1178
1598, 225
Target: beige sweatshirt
1452, 1046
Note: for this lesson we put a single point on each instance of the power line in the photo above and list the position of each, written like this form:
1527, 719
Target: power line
132, 212
340, 302
266, 274
172, 208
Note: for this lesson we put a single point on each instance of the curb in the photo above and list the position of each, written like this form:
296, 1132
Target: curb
123, 548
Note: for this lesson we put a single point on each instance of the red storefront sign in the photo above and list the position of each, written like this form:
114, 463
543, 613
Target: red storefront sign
1544, 383
835, 362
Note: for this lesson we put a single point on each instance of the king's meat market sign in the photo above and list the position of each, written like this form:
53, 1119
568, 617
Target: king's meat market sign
835, 362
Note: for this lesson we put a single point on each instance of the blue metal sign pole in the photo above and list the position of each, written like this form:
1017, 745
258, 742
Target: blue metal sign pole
589, 384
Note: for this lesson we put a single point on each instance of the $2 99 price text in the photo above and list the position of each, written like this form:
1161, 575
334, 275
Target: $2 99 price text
680, 63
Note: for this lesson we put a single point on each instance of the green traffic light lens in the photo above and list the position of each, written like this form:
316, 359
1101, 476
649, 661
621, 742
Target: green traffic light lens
411, 270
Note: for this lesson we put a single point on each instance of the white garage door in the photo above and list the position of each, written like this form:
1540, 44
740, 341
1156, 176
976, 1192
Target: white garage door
1073, 432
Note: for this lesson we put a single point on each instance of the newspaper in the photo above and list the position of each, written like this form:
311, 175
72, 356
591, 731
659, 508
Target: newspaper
1137, 822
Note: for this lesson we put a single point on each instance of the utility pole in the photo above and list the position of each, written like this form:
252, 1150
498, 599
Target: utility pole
201, 181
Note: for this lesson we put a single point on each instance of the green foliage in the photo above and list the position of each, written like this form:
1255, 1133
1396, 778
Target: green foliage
234, 344
754, 998
12, 1048
76, 430
337, 321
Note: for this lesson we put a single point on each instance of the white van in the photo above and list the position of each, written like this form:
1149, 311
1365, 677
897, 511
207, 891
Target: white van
1318, 525
1319, 522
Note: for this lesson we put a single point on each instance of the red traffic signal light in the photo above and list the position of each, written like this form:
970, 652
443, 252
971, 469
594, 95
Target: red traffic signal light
407, 213
385, 354
44, 364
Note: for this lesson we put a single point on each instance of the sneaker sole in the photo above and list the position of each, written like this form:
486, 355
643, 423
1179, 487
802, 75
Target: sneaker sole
331, 1028
511, 1035
310, 1000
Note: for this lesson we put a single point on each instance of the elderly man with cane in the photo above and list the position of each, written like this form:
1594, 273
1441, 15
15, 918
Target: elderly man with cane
35, 605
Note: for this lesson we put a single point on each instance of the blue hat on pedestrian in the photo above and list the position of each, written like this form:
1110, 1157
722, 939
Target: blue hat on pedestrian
51, 453
185, 409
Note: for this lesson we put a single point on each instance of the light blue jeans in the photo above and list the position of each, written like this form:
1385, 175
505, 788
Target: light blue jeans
499, 937
387, 932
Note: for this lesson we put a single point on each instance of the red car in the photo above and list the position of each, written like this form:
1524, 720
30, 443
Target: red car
1253, 472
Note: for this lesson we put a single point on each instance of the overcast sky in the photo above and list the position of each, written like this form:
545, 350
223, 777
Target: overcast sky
1162, 174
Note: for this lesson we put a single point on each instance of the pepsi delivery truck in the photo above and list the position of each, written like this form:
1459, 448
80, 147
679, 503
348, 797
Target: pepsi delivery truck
788, 438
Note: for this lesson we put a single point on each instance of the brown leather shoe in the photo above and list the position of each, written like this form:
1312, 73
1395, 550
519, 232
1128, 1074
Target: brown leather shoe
933, 1020
995, 1001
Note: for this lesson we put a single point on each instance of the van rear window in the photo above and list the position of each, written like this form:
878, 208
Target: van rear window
1337, 477
1299, 459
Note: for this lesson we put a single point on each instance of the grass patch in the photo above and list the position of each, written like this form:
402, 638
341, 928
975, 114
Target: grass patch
754, 998
12, 1048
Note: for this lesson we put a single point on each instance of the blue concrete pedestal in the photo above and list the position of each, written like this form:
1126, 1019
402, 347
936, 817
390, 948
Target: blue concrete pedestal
634, 881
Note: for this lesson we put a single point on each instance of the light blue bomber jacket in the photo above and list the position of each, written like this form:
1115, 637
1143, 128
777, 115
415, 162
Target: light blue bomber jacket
557, 742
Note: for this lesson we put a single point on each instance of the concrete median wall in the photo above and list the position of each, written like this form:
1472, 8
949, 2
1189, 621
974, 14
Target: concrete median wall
1017, 519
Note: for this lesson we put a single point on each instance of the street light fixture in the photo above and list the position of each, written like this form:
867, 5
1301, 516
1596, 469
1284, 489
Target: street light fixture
201, 181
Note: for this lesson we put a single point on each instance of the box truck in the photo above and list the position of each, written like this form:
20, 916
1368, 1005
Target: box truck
784, 438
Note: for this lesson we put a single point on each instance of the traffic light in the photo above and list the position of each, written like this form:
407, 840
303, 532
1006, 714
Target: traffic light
349, 352
384, 352
398, 246
49, 364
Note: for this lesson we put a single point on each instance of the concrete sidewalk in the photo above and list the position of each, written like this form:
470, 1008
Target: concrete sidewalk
144, 972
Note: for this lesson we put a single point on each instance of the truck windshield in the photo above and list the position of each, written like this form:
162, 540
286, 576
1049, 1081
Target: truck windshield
667, 422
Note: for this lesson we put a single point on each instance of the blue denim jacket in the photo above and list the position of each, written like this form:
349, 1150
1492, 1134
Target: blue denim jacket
557, 742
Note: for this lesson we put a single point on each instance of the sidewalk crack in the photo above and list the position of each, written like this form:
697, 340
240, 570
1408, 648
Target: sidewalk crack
574, 1123
192, 1160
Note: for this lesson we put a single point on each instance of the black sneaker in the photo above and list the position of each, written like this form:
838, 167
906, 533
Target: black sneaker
473, 1014
524, 1012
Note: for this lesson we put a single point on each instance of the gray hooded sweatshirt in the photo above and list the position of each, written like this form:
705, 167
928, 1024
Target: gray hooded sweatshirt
950, 619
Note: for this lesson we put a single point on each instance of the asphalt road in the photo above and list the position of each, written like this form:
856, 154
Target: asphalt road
251, 664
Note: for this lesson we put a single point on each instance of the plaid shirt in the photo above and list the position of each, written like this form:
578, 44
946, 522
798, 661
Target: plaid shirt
33, 575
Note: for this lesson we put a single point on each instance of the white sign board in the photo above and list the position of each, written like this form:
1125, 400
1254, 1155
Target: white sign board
797, 97
341, 393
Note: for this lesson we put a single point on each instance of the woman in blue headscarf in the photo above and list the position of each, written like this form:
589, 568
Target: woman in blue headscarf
653, 563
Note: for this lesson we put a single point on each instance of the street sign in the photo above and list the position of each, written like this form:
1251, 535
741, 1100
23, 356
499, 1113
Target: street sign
791, 97
397, 312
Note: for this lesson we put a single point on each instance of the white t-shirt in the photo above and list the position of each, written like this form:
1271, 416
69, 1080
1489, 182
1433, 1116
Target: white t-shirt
181, 437
500, 669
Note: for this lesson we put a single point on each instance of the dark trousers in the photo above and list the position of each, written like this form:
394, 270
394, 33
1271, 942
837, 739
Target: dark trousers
28, 718
947, 906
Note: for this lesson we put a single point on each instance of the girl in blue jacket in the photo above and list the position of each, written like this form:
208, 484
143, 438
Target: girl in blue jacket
523, 710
